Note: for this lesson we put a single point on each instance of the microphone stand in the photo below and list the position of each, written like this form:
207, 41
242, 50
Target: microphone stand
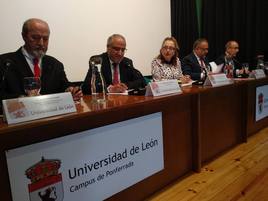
4, 67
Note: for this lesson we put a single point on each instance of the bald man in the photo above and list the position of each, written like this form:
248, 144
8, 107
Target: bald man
228, 58
17, 65
194, 64
118, 71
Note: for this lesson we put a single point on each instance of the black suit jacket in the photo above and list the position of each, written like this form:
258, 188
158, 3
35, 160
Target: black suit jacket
191, 66
221, 60
53, 77
128, 74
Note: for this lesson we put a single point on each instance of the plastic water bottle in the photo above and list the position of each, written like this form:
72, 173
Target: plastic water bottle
260, 62
98, 86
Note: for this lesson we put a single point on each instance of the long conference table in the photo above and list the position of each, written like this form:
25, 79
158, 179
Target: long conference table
198, 125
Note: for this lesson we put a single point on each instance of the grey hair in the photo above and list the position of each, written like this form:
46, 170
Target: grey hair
198, 42
25, 26
110, 39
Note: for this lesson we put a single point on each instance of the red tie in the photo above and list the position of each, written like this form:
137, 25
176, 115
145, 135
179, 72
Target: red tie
36, 67
116, 78
202, 63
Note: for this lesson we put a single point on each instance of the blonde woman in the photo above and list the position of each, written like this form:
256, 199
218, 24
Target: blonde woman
167, 64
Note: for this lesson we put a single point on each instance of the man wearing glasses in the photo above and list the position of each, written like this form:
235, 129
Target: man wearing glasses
195, 63
117, 70
228, 60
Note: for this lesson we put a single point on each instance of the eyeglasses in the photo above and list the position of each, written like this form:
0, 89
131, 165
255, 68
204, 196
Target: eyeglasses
118, 49
234, 47
203, 49
166, 48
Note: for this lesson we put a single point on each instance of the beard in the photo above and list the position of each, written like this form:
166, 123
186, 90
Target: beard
38, 53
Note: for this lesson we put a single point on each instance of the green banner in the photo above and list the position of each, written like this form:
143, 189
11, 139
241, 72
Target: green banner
198, 13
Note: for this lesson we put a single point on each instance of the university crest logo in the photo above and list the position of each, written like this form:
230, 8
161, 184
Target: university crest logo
260, 102
46, 182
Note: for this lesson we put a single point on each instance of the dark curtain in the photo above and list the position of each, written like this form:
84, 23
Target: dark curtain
242, 20
184, 25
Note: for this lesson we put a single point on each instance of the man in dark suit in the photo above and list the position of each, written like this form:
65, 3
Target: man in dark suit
15, 66
195, 63
30, 61
227, 60
117, 70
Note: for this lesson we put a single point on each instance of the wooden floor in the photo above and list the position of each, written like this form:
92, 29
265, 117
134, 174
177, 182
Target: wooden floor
239, 175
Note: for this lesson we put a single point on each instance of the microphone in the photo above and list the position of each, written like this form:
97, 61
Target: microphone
128, 64
5, 67
137, 74
236, 61
208, 68
95, 63
95, 60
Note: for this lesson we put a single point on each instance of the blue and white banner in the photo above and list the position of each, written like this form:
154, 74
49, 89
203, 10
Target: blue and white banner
261, 102
89, 165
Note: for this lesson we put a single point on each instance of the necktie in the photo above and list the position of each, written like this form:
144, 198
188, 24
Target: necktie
202, 63
36, 67
115, 75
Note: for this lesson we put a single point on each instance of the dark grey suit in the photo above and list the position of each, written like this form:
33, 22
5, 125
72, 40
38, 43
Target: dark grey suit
128, 74
222, 61
191, 66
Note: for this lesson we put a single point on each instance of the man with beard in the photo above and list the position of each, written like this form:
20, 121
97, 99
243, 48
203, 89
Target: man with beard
31, 60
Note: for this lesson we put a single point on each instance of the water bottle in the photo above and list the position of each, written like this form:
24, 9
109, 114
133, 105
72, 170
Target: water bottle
260, 62
229, 68
98, 86
208, 68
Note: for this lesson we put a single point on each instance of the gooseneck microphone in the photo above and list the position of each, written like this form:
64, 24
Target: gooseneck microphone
4, 67
95, 60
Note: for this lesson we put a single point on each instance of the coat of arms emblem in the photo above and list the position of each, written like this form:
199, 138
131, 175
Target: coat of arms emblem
46, 181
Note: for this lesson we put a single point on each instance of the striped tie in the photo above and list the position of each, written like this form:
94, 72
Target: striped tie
115, 75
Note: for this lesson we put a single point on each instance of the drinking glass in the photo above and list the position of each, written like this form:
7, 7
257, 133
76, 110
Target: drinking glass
245, 66
32, 86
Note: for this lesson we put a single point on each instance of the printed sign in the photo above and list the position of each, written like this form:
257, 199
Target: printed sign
261, 102
217, 80
90, 165
163, 87
36, 107
258, 74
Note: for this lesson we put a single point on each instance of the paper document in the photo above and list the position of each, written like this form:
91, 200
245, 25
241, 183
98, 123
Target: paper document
216, 68
187, 84
122, 93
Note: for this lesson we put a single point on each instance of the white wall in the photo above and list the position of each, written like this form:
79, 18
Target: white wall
80, 28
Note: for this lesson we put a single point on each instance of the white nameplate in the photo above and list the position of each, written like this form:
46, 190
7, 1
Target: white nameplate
164, 87
258, 73
23, 109
217, 80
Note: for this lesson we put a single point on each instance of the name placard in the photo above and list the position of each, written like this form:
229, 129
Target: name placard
31, 108
258, 73
217, 80
164, 87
